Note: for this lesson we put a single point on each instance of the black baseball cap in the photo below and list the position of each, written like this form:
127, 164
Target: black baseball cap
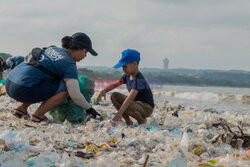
84, 41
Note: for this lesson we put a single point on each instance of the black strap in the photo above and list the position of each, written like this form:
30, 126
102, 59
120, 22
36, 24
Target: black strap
38, 52
47, 71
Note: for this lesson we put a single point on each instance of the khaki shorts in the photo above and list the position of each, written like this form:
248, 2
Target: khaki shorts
144, 108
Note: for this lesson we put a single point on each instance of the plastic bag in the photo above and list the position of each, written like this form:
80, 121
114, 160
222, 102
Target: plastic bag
2, 87
68, 109
2, 81
185, 142
180, 161
11, 159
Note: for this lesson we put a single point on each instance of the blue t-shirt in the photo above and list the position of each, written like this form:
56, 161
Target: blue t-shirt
54, 59
139, 83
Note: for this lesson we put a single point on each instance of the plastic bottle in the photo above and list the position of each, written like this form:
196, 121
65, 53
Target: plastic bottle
41, 161
181, 161
184, 142
11, 159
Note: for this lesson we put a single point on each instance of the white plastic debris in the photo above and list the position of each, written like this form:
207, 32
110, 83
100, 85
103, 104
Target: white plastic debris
168, 140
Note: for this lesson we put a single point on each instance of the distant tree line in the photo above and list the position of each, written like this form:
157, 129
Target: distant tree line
101, 75
216, 78
177, 77
5, 56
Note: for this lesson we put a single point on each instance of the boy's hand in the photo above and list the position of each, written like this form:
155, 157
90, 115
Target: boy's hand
101, 94
114, 123
117, 117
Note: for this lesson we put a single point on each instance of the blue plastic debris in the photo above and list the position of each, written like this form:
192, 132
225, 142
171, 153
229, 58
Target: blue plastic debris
18, 148
135, 125
70, 143
176, 132
101, 125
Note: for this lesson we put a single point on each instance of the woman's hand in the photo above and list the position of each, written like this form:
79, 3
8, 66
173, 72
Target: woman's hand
93, 112
101, 94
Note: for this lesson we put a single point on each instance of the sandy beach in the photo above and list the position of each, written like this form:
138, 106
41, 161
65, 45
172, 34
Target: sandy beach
188, 59
175, 135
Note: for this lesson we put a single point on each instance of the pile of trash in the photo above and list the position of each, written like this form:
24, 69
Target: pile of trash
174, 135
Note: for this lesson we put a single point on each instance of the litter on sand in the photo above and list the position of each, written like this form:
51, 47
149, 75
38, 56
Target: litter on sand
175, 135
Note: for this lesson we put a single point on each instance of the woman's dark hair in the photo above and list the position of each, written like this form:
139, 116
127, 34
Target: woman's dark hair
67, 43
78, 41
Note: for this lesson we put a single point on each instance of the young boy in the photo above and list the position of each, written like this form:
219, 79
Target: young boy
139, 103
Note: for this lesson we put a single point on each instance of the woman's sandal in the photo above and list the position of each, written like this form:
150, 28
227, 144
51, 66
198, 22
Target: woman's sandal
18, 115
40, 119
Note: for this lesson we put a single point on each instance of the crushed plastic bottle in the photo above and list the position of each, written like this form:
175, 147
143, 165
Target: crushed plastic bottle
11, 158
39, 162
185, 142
179, 162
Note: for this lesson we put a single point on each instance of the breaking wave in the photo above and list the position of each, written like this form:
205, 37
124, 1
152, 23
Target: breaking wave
209, 96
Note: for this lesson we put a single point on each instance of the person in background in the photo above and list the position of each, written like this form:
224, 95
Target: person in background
10, 63
1, 68
139, 103
29, 84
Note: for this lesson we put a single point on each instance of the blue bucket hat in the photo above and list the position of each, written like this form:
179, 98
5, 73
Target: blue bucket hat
128, 56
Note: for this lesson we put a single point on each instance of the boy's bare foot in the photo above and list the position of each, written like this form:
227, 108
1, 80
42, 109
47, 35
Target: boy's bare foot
142, 121
127, 119
129, 122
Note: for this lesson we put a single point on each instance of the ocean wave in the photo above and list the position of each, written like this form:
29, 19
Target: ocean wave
209, 96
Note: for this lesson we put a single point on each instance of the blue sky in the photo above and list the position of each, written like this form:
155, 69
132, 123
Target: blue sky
197, 34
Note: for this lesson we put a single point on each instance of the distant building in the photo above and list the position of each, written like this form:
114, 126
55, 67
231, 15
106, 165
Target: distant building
165, 62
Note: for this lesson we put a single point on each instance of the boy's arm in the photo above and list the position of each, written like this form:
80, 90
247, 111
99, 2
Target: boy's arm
125, 104
109, 88
113, 85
